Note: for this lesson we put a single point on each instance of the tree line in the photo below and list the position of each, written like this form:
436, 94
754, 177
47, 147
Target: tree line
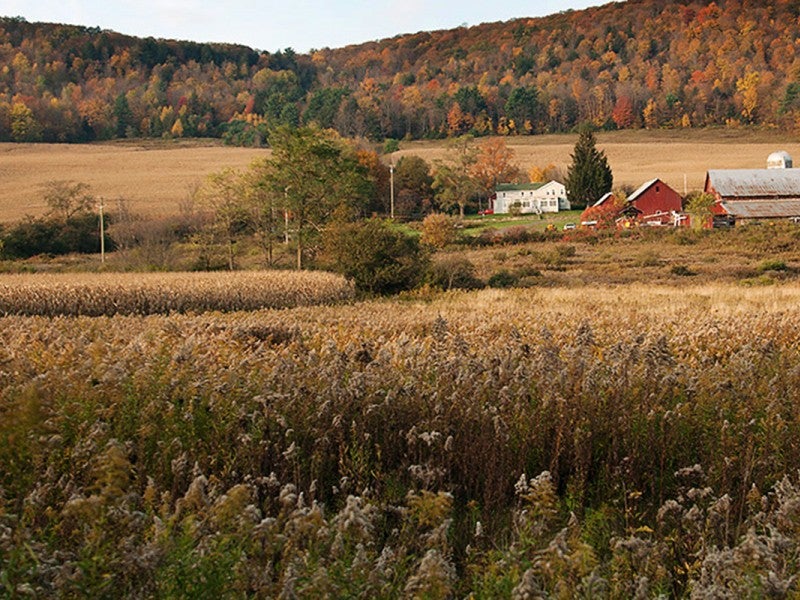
648, 64
319, 196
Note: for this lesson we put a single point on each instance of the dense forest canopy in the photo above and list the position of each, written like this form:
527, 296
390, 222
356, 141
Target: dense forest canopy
641, 63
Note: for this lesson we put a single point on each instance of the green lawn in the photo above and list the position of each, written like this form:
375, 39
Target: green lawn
475, 224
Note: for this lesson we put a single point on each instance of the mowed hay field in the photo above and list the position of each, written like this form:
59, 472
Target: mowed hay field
639, 156
156, 176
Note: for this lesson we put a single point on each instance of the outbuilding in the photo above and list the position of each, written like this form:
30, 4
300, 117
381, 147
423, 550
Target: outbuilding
747, 194
655, 203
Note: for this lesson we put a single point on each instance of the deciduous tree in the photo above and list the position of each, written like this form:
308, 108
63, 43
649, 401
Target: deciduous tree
66, 199
319, 175
494, 164
223, 194
24, 127
523, 107
698, 207
412, 184
622, 114
452, 180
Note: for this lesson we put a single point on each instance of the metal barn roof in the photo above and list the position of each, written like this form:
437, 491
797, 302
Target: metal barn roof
756, 183
762, 209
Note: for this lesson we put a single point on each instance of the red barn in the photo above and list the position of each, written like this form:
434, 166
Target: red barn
748, 194
655, 203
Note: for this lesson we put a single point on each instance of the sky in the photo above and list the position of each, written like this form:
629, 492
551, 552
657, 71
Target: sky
272, 25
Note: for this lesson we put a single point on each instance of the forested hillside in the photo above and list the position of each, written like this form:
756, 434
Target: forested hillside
641, 63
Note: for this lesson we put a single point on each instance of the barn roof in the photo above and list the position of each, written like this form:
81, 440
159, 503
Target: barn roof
605, 197
762, 209
755, 183
642, 189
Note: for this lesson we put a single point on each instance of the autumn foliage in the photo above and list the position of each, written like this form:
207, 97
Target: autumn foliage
622, 65
604, 214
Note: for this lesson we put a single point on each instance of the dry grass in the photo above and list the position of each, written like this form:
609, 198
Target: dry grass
96, 294
372, 450
156, 176
655, 256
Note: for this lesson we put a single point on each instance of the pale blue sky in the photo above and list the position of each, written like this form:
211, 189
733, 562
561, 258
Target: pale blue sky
273, 25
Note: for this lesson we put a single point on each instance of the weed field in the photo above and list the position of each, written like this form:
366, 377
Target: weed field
609, 441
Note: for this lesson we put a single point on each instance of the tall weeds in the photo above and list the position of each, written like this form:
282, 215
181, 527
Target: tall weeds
625, 442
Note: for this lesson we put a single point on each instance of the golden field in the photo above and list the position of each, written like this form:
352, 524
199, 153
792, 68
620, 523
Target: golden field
96, 294
639, 156
156, 177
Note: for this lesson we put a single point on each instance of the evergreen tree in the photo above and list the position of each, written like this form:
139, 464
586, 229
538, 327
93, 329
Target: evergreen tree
523, 107
124, 115
589, 177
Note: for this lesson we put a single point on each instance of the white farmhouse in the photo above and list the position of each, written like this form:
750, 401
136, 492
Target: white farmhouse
530, 198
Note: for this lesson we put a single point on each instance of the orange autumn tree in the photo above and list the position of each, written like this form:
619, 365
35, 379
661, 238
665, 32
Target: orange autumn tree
494, 164
604, 214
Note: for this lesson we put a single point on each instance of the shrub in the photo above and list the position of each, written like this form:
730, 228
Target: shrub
682, 271
565, 251
649, 259
376, 257
439, 230
79, 233
772, 265
503, 279
454, 272
517, 235
390, 145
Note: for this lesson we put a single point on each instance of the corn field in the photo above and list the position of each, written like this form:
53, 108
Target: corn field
622, 442
163, 293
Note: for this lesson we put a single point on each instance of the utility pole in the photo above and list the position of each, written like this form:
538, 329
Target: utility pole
102, 235
286, 215
391, 189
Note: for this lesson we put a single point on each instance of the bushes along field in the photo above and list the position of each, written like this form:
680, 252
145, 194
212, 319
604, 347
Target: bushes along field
614, 442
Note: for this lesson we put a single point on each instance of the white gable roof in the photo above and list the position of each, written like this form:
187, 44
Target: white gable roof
642, 189
607, 196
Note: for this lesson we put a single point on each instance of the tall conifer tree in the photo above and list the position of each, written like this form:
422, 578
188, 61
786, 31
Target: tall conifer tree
589, 177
